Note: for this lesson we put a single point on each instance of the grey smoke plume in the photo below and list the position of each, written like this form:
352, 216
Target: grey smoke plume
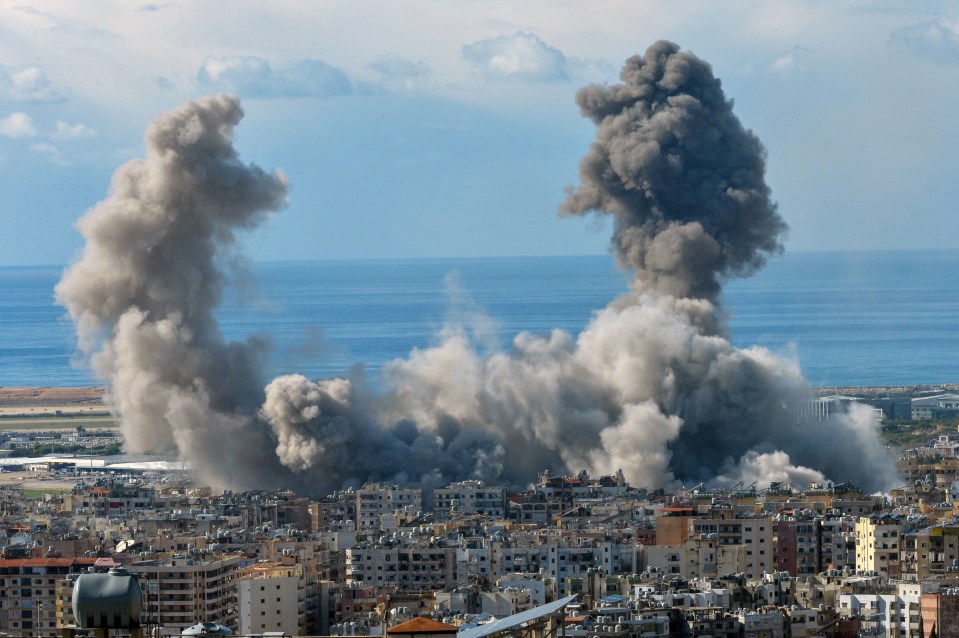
683, 178
143, 293
650, 386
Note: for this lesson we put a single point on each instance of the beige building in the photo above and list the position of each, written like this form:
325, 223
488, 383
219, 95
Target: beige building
673, 524
30, 605
700, 556
933, 551
755, 534
182, 591
877, 545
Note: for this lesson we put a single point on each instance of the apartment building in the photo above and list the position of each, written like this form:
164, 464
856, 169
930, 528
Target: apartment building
276, 596
409, 568
940, 611
838, 542
322, 514
931, 551
358, 601
699, 556
535, 508
566, 490
182, 591
28, 594
374, 501
116, 500
761, 624
755, 534
799, 548
673, 524
470, 497
877, 544
561, 560
885, 614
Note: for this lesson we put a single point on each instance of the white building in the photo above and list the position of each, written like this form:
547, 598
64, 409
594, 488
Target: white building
410, 568
269, 604
770, 624
886, 614
374, 501
506, 602
470, 497
925, 408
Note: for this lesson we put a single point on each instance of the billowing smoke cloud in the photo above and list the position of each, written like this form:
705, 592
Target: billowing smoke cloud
651, 386
683, 178
143, 294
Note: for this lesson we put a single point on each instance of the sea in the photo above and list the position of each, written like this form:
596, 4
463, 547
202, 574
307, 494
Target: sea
868, 318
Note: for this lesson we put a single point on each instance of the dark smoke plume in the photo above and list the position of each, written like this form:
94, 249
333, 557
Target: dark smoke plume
651, 386
679, 172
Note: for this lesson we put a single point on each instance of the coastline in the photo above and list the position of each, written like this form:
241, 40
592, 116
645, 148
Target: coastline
93, 396
27, 396
871, 392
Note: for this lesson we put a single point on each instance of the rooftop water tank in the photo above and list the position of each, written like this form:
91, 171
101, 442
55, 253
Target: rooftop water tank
207, 629
107, 600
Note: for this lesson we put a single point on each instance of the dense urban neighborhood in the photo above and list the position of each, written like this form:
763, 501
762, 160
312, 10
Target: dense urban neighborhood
579, 555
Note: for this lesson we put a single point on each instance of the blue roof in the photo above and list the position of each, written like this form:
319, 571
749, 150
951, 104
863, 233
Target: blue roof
516, 620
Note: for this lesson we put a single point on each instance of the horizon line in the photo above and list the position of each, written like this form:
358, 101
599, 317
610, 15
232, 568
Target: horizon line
528, 256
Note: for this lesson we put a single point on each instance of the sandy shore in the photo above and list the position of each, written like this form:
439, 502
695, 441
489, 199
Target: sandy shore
44, 403
48, 397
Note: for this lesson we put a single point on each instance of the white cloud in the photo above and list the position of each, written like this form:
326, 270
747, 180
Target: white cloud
28, 84
17, 125
396, 73
66, 131
783, 63
153, 7
249, 76
52, 152
937, 40
521, 56
790, 62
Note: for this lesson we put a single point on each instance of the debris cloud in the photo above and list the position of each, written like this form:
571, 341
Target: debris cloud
651, 386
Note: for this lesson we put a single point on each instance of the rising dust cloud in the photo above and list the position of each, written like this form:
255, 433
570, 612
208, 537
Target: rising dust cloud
652, 385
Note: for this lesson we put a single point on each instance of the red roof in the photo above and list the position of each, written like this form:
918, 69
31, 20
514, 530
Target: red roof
423, 625
46, 562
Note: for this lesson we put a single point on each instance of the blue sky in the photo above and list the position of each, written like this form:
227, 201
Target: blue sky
429, 128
